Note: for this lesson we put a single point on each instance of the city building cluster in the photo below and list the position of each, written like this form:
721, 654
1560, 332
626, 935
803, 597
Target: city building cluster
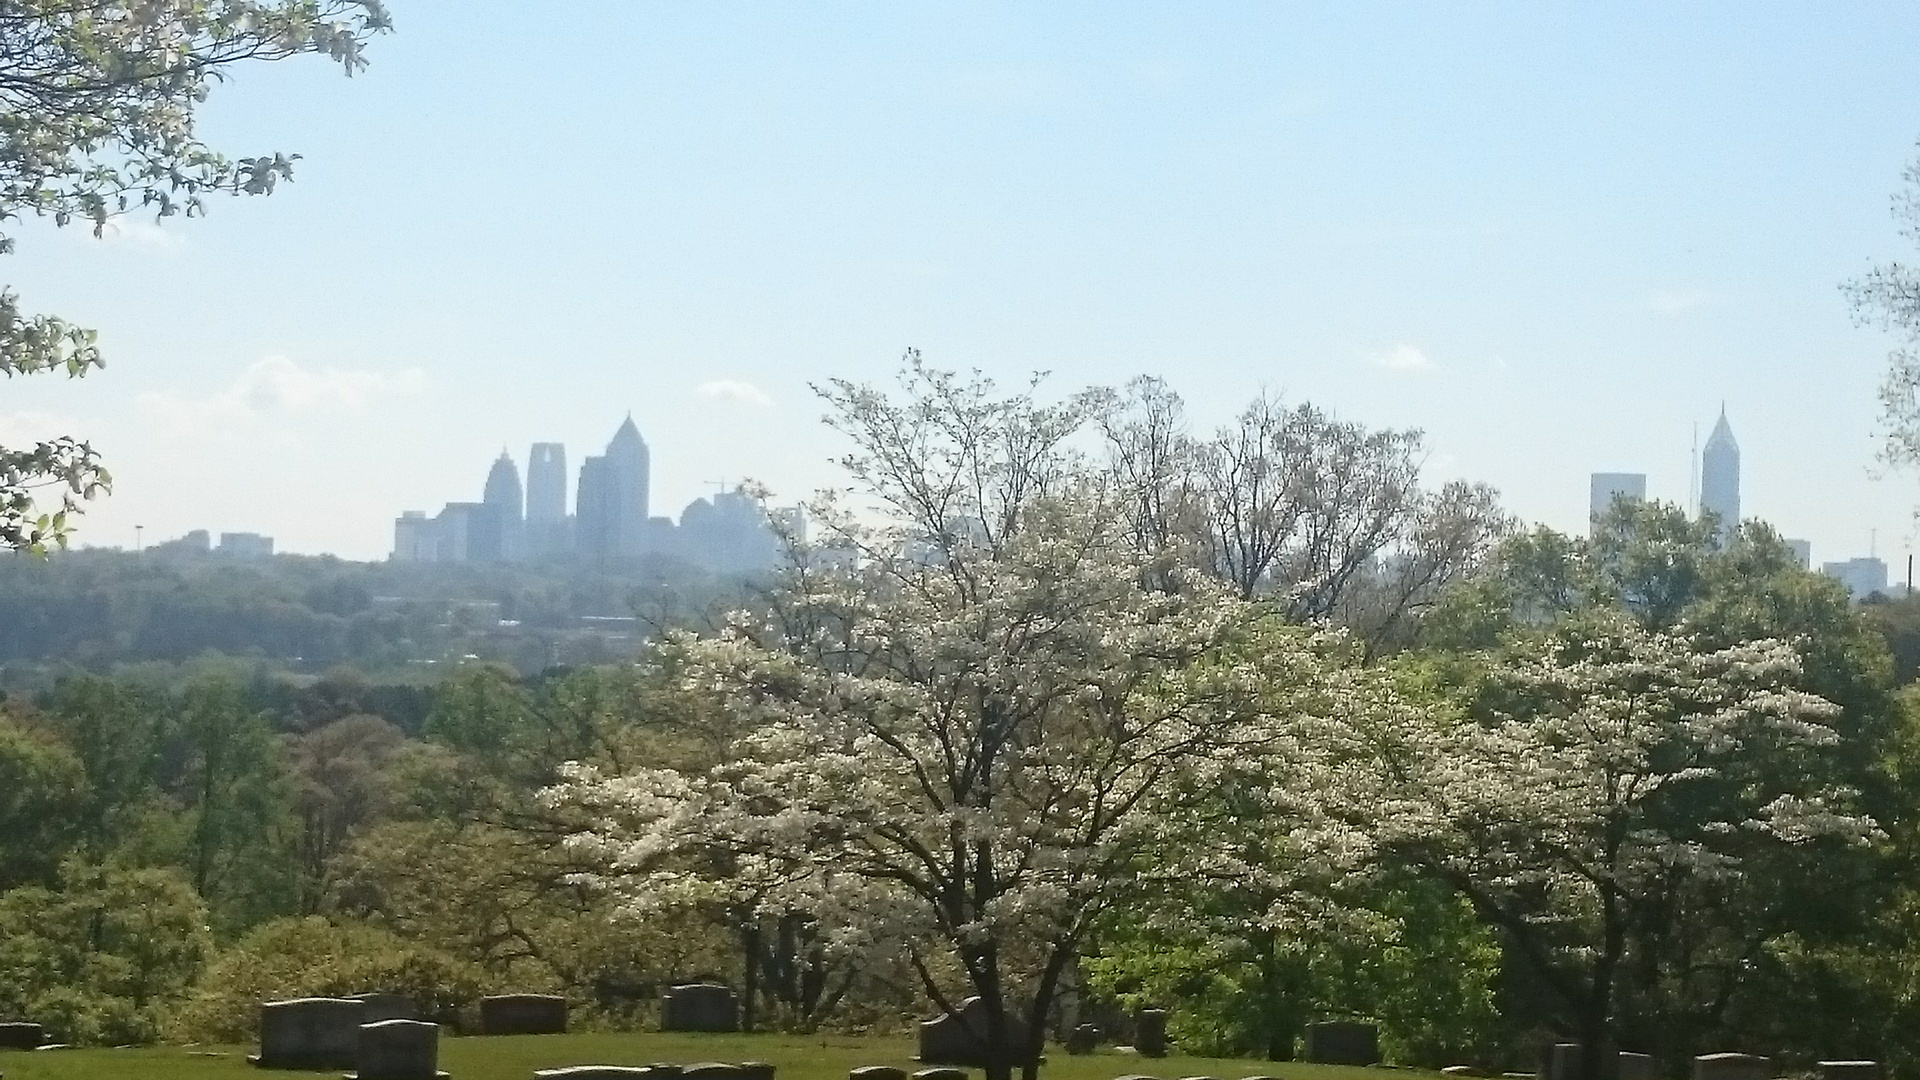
238, 545
1719, 495
733, 532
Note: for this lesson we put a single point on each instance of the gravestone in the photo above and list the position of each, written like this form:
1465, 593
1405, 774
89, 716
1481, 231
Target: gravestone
711, 1070
309, 1033
756, 1070
523, 1014
1082, 1039
378, 1007
399, 1050
1136, 1076
1343, 1042
1460, 1070
1849, 1070
876, 1072
1150, 1032
1559, 1061
1638, 1067
595, 1072
1732, 1067
959, 1040
699, 1007
22, 1036
941, 1073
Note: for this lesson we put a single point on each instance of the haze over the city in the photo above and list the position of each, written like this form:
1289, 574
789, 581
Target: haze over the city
1554, 240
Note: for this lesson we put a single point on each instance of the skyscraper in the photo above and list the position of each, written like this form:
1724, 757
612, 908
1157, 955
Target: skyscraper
611, 503
1720, 477
629, 470
593, 511
502, 500
546, 499
503, 488
1604, 487
547, 482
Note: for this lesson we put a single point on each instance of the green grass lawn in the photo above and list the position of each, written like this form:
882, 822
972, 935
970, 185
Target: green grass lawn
516, 1057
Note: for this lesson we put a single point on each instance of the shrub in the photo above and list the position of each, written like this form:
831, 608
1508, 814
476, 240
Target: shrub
313, 957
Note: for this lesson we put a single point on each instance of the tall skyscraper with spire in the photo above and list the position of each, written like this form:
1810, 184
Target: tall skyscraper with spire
611, 503
1720, 477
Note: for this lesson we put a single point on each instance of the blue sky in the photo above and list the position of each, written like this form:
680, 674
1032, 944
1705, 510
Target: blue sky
1552, 237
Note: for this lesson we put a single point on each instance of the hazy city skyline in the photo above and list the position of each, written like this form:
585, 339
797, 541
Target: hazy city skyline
1553, 240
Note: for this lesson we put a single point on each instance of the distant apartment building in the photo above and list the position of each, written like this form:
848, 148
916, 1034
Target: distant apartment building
195, 542
1604, 487
246, 545
1802, 552
416, 538
1862, 577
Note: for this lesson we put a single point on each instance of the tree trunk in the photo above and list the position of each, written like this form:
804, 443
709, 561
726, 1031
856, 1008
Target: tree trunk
749, 975
1276, 1003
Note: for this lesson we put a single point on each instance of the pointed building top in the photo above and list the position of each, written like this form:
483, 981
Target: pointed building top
1722, 433
628, 432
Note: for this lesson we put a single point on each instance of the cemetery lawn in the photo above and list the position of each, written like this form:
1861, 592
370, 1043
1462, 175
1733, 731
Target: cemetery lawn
515, 1057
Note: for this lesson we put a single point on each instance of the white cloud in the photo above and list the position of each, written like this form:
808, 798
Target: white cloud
1676, 301
280, 387
25, 427
735, 390
1404, 357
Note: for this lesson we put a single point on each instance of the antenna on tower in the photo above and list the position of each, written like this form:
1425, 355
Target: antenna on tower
1693, 473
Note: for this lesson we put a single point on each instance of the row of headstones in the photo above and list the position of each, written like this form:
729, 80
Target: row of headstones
306, 1033
705, 1070
1561, 1061
386, 1050
325, 1033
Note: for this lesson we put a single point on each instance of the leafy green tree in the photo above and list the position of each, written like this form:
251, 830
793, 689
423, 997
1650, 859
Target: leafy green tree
237, 807
43, 789
340, 779
100, 957
98, 102
124, 738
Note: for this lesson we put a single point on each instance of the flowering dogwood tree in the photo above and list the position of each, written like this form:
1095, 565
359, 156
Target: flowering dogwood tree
1612, 783
972, 742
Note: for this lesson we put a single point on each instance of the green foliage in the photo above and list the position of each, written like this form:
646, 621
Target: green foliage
43, 791
237, 820
101, 610
100, 956
312, 957
122, 735
1410, 957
